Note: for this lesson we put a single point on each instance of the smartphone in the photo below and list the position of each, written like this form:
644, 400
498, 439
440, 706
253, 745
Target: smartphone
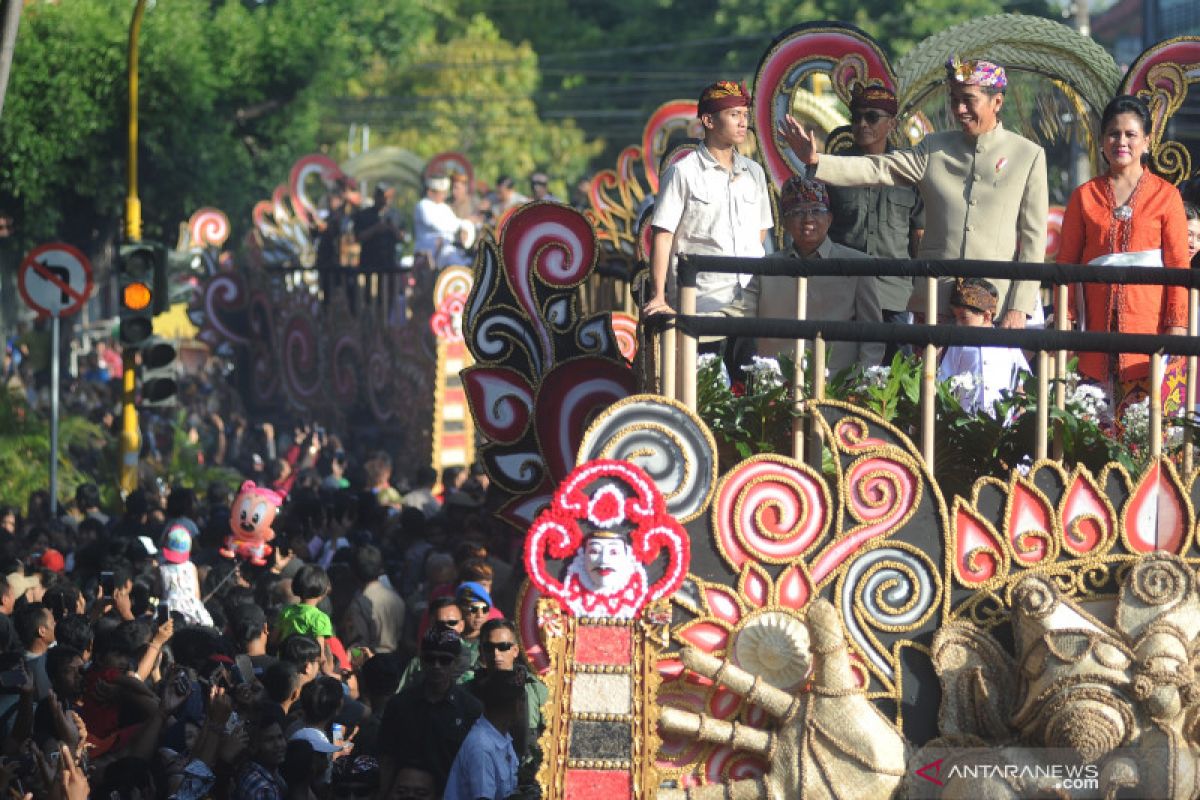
12, 680
164, 613
106, 584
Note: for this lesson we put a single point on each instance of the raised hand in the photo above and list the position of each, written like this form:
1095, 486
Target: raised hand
802, 142
831, 742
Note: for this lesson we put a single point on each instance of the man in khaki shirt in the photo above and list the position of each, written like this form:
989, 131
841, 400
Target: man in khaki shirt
804, 208
984, 187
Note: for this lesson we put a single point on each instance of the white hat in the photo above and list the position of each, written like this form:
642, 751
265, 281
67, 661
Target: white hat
439, 183
316, 739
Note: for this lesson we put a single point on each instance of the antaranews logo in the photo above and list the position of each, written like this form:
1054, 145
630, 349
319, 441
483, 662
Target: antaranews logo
931, 772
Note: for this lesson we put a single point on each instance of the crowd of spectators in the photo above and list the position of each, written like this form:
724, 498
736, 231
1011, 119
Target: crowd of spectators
139, 662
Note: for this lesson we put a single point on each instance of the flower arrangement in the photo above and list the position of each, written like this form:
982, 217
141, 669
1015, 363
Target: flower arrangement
754, 416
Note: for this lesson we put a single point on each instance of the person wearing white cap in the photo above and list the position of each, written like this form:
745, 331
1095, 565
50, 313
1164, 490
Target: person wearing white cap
437, 230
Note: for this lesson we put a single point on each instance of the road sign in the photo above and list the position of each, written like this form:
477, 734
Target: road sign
55, 280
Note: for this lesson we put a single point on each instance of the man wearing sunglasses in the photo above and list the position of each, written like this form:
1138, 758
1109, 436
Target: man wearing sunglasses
427, 722
881, 221
984, 187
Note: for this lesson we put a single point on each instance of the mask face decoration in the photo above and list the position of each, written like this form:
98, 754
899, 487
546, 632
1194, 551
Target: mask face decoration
608, 565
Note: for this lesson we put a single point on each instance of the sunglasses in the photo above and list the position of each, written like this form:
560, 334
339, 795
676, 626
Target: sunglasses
478, 608
449, 624
503, 647
869, 117
437, 659
819, 211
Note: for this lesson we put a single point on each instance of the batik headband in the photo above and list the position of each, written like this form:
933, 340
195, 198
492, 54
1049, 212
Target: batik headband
800, 191
976, 73
876, 96
722, 95
972, 296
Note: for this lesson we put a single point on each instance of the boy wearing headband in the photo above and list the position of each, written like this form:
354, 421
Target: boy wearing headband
713, 201
984, 373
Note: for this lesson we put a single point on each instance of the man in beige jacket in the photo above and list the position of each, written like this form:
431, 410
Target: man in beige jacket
804, 209
984, 187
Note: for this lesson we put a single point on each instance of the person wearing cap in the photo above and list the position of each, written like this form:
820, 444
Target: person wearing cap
377, 229
427, 722
437, 230
804, 207
713, 201
984, 187
982, 374
181, 583
881, 221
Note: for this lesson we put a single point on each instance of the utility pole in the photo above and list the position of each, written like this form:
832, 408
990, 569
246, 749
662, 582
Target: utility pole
8, 42
131, 439
1081, 165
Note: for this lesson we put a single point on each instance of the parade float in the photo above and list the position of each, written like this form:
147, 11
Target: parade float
828, 620
813, 610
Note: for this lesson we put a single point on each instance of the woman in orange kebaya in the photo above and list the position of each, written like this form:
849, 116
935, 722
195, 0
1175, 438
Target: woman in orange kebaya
1127, 216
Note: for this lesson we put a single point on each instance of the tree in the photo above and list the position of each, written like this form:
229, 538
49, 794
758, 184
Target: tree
229, 98
474, 93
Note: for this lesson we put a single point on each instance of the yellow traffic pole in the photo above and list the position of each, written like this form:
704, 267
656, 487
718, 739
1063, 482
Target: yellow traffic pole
133, 206
131, 440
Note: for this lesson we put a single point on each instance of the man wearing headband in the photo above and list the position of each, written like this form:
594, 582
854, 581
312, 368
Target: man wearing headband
984, 187
804, 209
713, 201
437, 230
881, 221
980, 375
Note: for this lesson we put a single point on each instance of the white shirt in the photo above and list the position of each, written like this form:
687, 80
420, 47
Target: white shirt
993, 371
486, 765
435, 230
713, 212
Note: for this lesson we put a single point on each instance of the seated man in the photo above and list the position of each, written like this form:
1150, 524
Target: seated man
804, 206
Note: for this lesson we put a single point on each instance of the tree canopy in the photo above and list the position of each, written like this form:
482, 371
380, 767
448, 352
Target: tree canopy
233, 92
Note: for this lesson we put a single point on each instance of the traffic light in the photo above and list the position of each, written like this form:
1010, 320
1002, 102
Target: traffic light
141, 270
159, 379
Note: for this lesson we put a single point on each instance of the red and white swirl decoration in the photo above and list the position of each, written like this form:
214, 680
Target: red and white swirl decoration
671, 116
345, 365
449, 299
225, 295
881, 493
625, 330
839, 50
1054, 221
558, 532
208, 227
301, 360
770, 509
554, 244
315, 164
448, 162
569, 398
501, 402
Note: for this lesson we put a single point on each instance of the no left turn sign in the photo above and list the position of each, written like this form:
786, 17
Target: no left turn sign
55, 280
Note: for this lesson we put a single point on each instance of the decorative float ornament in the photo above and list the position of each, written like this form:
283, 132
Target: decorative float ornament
314, 165
453, 433
208, 227
609, 535
250, 521
449, 162
601, 625
1162, 76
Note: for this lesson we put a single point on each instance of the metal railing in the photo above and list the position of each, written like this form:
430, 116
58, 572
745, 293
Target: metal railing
679, 341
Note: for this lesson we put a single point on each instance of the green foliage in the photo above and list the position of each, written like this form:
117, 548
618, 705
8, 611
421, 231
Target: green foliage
229, 98
474, 93
84, 455
755, 418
